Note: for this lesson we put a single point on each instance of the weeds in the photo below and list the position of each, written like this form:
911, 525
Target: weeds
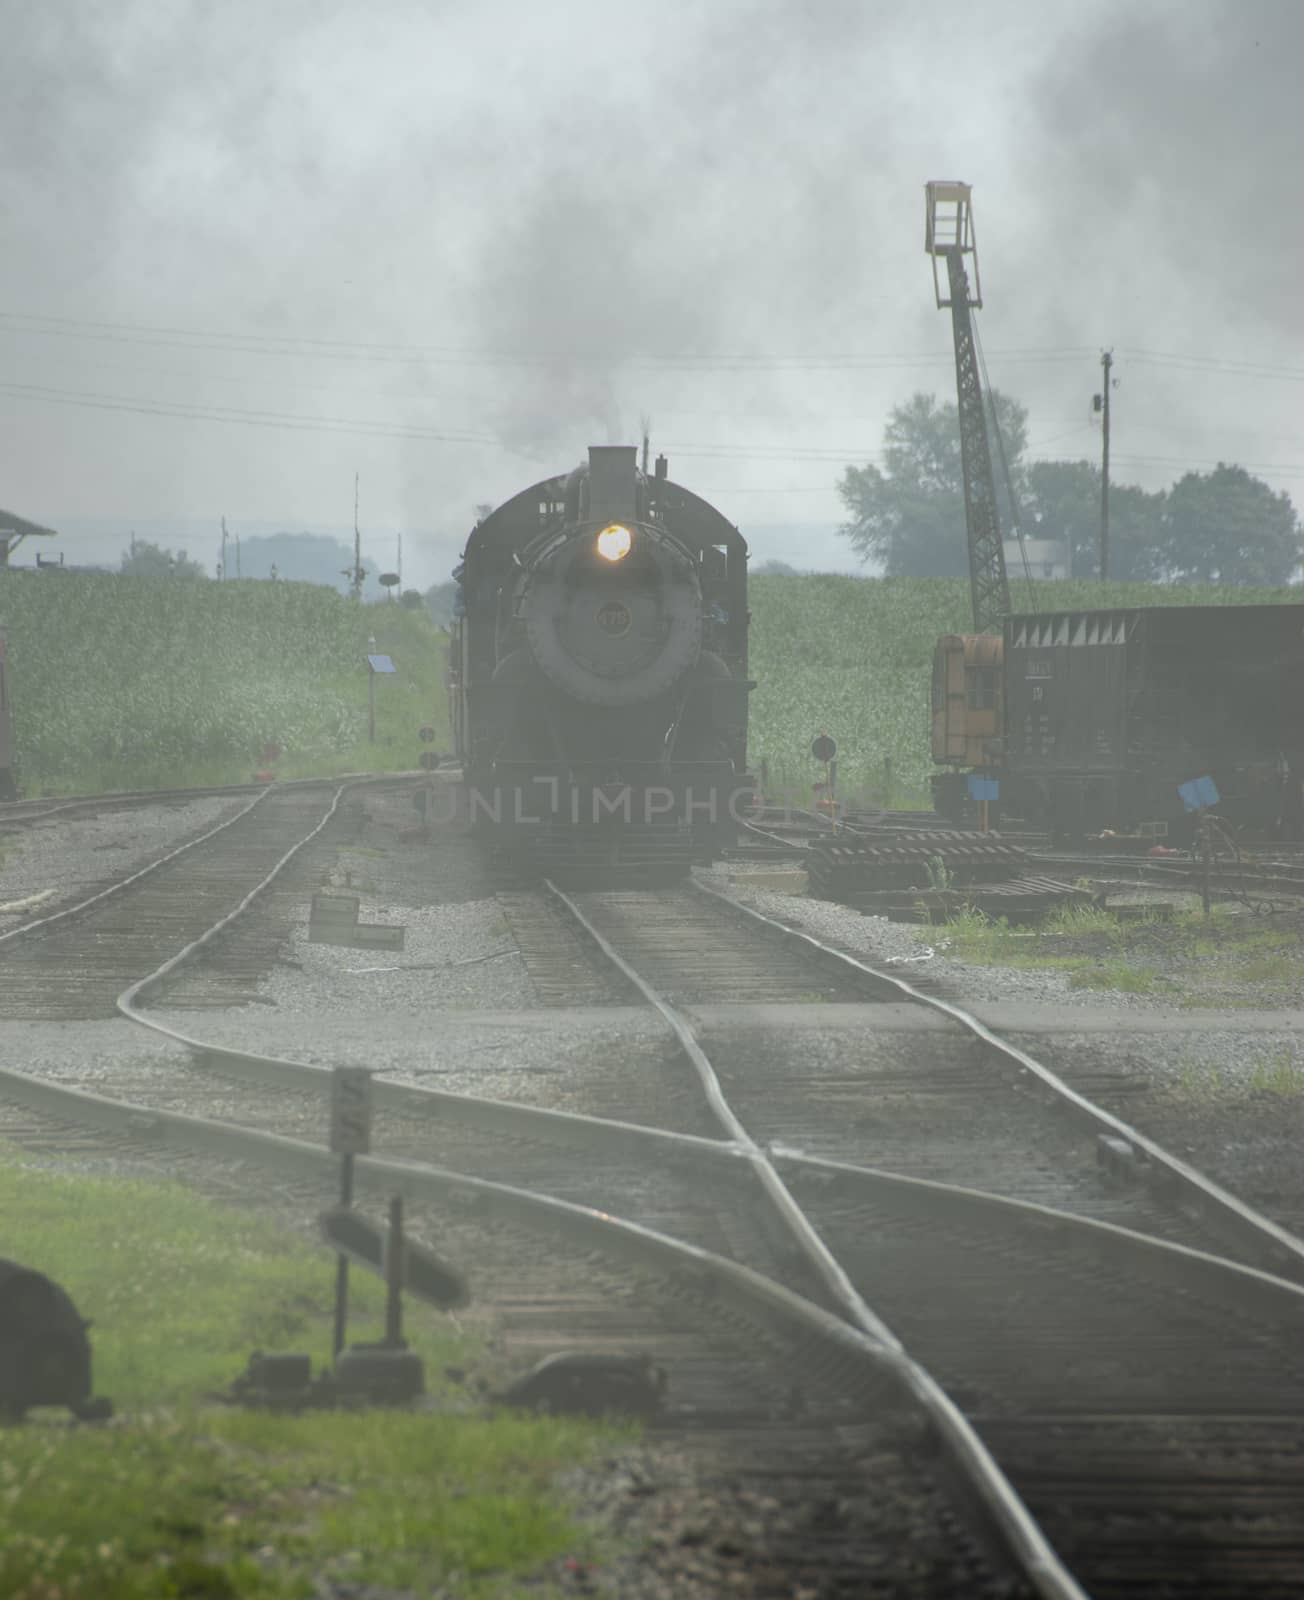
1120, 975
1271, 1077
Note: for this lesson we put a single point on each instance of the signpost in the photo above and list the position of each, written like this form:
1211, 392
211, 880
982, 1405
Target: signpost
375, 664
350, 1136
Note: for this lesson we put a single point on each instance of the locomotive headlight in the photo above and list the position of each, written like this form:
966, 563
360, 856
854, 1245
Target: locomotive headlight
614, 542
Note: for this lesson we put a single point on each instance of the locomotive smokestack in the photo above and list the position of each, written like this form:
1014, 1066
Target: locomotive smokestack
613, 495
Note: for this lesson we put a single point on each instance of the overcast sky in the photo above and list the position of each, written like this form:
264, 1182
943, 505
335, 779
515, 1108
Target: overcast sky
252, 248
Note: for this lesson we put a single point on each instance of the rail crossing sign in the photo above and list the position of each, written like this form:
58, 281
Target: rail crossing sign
424, 1274
351, 1111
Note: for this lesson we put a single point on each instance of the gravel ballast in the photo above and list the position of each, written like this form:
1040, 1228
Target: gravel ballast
43, 864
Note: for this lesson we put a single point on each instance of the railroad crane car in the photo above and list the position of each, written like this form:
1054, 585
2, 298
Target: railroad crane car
599, 671
1094, 720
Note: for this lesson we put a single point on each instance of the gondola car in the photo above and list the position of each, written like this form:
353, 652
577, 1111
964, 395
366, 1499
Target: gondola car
599, 671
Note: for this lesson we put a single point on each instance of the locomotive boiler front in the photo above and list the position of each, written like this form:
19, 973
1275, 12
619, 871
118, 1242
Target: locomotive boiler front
612, 612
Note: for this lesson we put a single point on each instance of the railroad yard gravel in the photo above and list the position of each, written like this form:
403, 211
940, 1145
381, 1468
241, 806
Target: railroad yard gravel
64, 856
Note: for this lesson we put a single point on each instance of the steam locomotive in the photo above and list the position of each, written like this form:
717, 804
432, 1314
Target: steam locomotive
599, 671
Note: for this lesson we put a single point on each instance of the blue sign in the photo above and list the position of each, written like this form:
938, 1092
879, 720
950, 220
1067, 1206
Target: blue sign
381, 664
1198, 793
981, 788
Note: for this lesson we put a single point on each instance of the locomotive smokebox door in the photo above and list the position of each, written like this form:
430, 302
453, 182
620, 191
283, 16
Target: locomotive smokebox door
45, 1356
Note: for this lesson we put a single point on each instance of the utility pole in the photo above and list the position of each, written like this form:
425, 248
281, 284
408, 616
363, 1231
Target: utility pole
399, 566
222, 574
355, 574
1102, 405
237, 555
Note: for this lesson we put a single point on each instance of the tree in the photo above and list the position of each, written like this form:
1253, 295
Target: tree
1064, 503
145, 559
1227, 527
774, 569
909, 514
439, 598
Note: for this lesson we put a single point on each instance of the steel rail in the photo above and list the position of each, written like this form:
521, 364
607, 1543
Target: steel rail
120, 884
983, 1483
14, 810
1258, 1236
126, 1001
884, 1369
829, 1271
1158, 1258
964, 1447
969, 1454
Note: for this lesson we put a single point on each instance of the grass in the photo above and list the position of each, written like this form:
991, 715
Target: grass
852, 657
1276, 1078
123, 683
179, 1498
1189, 956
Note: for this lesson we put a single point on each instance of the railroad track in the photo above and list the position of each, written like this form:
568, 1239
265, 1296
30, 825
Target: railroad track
74, 962
1260, 876
730, 1335
1144, 1324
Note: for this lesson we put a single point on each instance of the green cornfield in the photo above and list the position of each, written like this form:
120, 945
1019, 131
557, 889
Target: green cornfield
852, 657
121, 683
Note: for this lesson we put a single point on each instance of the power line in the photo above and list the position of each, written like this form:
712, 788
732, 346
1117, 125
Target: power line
295, 345
260, 419
1214, 364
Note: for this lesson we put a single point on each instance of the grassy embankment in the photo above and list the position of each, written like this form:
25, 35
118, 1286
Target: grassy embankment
125, 683
852, 657
179, 1498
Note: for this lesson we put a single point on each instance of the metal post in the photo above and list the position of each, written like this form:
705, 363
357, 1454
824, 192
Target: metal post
371, 705
1106, 361
1206, 860
342, 1262
394, 1276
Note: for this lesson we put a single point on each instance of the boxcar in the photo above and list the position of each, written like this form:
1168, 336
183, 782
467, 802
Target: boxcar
1103, 718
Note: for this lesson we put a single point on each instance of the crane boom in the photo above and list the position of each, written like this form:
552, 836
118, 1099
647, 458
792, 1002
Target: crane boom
950, 236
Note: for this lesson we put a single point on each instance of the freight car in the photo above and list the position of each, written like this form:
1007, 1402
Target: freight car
1094, 720
599, 670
